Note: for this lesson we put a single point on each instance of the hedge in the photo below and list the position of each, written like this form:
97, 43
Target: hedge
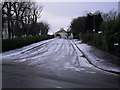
10, 44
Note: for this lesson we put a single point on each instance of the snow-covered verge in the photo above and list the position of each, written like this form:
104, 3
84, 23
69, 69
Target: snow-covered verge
59, 53
10, 53
64, 53
96, 60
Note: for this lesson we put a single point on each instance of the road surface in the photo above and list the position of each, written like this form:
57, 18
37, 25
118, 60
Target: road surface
54, 63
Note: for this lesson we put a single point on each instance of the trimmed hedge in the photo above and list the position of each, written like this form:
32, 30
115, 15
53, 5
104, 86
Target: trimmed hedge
10, 44
101, 42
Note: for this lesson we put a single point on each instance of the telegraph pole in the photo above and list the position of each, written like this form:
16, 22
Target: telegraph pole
94, 28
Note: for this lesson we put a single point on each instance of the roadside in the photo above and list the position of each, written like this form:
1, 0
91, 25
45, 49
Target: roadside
99, 58
14, 43
18, 51
52, 63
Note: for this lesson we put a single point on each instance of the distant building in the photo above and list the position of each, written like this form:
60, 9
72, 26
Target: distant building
61, 33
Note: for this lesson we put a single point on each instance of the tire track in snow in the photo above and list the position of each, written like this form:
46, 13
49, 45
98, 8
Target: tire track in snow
21, 55
32, 53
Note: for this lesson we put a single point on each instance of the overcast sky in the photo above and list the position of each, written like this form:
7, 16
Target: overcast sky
60, 14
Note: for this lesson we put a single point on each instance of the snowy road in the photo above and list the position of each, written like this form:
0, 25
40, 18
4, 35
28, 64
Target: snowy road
54, 63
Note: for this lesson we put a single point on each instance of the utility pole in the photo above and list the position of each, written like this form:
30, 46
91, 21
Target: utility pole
94, 28
94, 22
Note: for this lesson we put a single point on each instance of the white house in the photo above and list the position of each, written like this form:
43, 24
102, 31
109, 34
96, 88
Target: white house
63, 34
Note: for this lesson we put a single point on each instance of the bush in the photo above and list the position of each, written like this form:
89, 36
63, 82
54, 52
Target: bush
86, 38
98, 39
111, 35
9, 44
76, 36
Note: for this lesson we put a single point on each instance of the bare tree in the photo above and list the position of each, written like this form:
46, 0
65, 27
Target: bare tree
111, 15
7, 16
20, 17
44, 28
36, 12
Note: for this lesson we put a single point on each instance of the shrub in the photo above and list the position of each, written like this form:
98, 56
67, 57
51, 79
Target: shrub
9, 44
87, 38
98, 39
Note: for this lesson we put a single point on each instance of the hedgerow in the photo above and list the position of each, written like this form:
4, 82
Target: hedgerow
10, 44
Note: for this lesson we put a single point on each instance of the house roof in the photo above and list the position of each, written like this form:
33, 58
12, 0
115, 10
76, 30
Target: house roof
61, 30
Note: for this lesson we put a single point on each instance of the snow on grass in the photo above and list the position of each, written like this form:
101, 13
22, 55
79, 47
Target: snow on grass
54, 51
99, 62
13, 53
